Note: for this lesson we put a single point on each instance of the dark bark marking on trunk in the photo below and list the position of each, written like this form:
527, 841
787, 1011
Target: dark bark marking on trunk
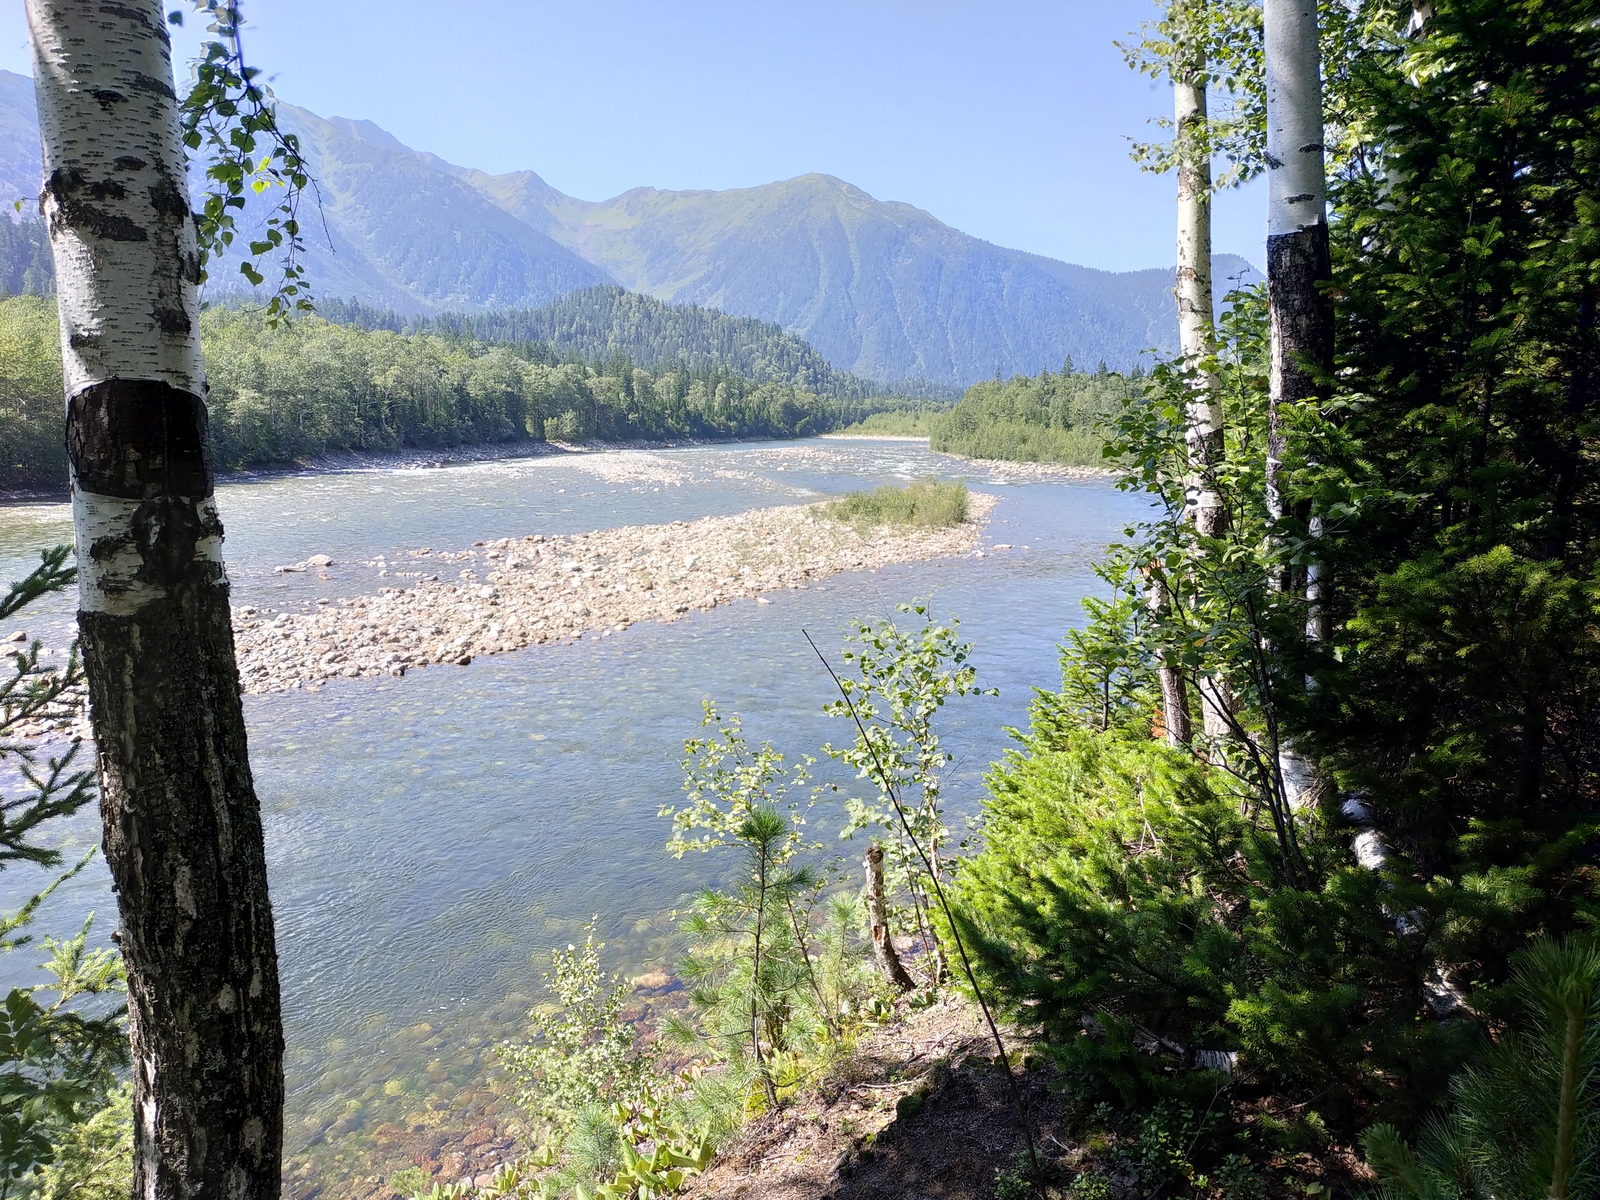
167, 198
72, 193
1298, 265
139, 439
149, 83
124, 12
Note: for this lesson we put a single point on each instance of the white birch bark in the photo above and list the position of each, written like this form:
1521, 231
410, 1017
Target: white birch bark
182, 828
1197, 335
1297, 226
1297, 266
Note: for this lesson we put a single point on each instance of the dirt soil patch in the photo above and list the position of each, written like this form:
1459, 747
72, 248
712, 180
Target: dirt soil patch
921, 1110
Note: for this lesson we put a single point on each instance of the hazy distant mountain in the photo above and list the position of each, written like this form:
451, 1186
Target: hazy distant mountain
882, 290
20, 175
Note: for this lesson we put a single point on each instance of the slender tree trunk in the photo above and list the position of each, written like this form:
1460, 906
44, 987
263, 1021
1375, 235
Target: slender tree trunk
1297, 224
878, 916
1197, 334
1174, 693
755, 987
1298, 269
182, 827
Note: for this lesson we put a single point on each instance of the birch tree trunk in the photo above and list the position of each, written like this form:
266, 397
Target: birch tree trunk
1197, 334
1297, 263
1174, 694
183, 832
1297, 224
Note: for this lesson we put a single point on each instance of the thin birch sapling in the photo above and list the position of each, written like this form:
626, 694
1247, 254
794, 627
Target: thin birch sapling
901, 681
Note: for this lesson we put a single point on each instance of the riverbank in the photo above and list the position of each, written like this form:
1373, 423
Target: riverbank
919, 1107
413, 459
512, 593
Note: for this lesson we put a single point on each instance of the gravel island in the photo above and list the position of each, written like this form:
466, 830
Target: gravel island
516, 592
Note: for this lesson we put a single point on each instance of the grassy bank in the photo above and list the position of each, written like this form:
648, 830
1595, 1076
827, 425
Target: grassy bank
896, 424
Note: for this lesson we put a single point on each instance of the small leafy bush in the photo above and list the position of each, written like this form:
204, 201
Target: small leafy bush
64, 1121
582, 1054
1091, 1185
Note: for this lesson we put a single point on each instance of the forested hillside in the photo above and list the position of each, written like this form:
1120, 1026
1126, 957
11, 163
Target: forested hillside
1047, 417
884, 290
314, 387
25, 266
602, 323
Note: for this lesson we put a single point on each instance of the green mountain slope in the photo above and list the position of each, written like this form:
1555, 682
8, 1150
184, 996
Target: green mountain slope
409, 236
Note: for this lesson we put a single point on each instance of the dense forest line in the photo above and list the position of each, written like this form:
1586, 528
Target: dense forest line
312, 387
604, 322
25, 264
1049, 417
593, 324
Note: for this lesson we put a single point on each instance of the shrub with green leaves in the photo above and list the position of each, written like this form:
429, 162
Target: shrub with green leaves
582, 1053
1049, 417
776, 973
895, 683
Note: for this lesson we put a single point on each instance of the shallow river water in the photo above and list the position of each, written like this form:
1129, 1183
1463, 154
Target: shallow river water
427, 834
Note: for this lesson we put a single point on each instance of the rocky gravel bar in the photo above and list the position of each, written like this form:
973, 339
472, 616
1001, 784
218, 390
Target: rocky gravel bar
517, 592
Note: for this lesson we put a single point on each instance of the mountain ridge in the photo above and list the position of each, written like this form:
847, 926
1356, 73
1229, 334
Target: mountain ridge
882, 289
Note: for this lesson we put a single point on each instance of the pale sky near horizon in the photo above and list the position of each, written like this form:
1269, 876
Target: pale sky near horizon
1008, 119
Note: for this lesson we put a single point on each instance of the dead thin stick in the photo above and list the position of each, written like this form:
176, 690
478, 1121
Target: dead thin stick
938, 891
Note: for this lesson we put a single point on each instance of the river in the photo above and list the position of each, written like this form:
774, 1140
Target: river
427, 834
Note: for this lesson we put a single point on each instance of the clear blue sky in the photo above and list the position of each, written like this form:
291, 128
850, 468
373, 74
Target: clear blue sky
1008, 119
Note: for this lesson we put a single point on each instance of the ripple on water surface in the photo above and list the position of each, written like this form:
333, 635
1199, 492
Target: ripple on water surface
427, 834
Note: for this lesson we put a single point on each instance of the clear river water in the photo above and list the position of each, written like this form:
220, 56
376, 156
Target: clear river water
426, 835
